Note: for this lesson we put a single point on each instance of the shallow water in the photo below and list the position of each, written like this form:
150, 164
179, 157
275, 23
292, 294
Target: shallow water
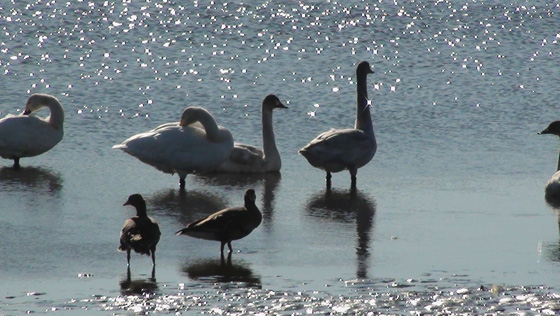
449, 217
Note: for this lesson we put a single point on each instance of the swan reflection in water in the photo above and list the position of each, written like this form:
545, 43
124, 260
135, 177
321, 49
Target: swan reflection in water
186, 205
241, 181
222, 271
138, 286
348, 206
33, 179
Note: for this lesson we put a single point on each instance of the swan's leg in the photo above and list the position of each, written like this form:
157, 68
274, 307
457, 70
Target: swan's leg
222, 248
16, 163
128, 257
182, 183
328, 179
229, 246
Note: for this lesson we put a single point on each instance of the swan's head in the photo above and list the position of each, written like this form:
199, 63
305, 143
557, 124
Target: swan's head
37, 101
363, 69
272, 102
135, 200
193, 114
250, 196
553, 128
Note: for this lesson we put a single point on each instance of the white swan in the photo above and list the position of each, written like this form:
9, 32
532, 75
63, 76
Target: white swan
346, 149
183, 147
552, 188
251, 159
28, 136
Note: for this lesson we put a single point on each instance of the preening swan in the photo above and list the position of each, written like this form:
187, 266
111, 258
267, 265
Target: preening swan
139, 233
28, 136
552, 189
346, 149
247, 158
228, 224
184, 147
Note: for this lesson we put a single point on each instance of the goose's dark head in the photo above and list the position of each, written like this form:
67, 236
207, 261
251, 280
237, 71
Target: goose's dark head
250, 196
553, 128
136, 200
272, 101
363, 69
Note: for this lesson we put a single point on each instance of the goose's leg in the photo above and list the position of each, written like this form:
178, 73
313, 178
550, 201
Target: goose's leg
328, 180
128, 257
154, 257
353, 172
182, 183
16, 163
222, 248
229, 246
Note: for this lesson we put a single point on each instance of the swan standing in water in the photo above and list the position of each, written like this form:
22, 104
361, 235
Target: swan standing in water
228, 224
247, 158
139, 233
346, 149
28, 136
195, 144
552, 189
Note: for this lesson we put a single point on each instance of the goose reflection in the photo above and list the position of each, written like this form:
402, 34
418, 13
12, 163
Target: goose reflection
348, 206
34, 179
552, 249
240, 181
222, 271
138, 286
187, 206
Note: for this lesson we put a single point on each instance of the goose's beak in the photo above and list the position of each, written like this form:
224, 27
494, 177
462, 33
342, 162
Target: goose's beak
26, 112
544, 131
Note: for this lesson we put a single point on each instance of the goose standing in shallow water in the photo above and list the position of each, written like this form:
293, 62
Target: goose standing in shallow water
346, 149
228, 224
28, 136
552, 189
247, 158
139, 233
195, 144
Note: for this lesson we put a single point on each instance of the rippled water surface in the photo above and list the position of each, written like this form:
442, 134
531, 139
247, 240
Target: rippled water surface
449, 216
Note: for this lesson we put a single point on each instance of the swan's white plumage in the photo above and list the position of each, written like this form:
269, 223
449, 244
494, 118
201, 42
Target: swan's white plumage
552, 187
252, 159
195, 144
346, 149
28, 136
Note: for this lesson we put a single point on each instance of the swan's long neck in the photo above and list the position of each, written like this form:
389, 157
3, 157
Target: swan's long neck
558, 166
56, 118
210, 126
271, 154
363, 116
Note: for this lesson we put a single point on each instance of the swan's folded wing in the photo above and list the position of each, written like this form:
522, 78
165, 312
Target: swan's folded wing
27, 135
246, 154
338, 145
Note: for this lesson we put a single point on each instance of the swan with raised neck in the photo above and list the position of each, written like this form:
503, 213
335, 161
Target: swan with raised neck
346, 149
251, 159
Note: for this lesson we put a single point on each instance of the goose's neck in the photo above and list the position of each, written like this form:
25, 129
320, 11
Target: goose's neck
271, 154
141, 210
56, 118
363, 116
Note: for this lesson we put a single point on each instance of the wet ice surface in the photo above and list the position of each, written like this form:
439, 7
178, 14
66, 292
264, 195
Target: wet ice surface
367, 297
